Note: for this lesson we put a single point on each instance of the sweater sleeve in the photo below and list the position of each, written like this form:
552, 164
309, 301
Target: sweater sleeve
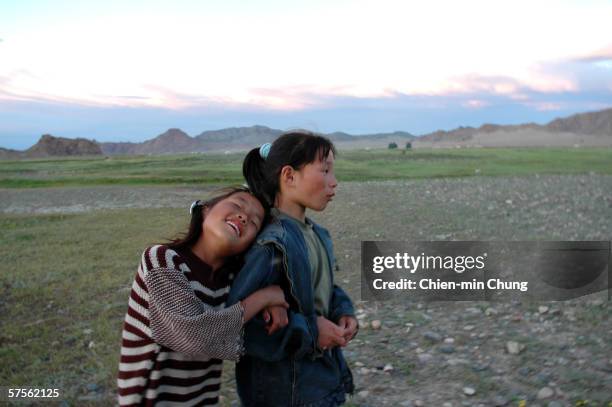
180, 321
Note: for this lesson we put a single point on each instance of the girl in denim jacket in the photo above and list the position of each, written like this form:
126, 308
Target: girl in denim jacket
301, 364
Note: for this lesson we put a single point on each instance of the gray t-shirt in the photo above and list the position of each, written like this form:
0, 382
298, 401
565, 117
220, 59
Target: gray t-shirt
319, 263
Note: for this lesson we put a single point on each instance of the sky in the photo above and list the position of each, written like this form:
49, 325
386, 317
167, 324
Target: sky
127, 71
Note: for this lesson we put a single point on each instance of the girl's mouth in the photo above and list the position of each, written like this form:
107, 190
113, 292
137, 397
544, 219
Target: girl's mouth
234, 226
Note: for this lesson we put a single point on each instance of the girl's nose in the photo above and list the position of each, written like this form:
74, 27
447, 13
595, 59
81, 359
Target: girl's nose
333, 182
242, 219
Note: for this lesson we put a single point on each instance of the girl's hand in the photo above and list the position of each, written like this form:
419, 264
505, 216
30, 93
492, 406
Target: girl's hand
350, 326
330, 334
262, 298
276, 318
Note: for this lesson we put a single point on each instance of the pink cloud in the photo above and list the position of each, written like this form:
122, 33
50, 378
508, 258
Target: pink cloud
603, 54
476, 104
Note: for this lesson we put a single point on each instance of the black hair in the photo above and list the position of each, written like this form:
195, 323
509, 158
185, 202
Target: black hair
296, 148
189, 238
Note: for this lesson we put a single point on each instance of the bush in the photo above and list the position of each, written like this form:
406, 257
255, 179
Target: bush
392, 146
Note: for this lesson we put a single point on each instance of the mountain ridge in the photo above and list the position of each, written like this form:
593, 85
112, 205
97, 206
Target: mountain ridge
590, 128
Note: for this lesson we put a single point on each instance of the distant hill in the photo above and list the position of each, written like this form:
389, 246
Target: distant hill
49, 146
592, 129
237, 139
8, 154
595, 123
585, 129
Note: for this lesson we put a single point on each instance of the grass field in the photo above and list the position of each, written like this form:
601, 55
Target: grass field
63, 293
65, 277
357, 165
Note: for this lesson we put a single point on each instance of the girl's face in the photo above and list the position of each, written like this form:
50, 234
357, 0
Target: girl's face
315, 184
234, 222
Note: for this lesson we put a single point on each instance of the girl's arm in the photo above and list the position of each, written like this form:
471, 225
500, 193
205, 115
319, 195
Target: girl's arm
180, 321
266, 297
298, 338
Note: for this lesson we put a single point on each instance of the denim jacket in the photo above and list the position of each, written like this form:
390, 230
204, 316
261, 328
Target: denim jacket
287, 368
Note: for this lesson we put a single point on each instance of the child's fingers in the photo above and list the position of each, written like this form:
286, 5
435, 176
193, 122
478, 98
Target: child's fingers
266, 316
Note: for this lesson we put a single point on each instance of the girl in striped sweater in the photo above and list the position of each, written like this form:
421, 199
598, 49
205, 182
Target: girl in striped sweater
177, 330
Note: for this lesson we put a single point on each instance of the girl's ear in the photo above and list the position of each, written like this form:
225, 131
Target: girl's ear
287, 174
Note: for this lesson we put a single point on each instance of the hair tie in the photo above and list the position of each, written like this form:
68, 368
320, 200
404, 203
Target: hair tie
264, 150
193, 205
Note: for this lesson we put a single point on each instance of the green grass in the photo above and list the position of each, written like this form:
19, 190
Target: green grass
355, 165
68, 274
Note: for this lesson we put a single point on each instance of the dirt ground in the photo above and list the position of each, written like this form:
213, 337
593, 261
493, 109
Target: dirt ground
441, 353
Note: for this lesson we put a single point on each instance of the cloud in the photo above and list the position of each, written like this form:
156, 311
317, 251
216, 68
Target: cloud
603, 54
475, 103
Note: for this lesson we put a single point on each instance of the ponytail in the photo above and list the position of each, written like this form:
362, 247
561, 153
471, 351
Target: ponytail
254, 172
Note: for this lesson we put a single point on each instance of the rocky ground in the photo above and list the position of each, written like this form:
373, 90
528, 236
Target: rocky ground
411, 353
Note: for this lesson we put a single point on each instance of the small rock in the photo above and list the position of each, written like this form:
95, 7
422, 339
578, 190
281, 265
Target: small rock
447, 349
376, 324
543, 377
91, 345
87, 331
363, 370
490, 311
469, 391
524, 371
406, 403
449, 340
509, 201
554, 404
514, 348
363, 394
543, 309
92, 387
499, 401
457, 361
419, 403
468, 327
388, 368
447, 404
359, 364
424, 358
432, 336
544, 393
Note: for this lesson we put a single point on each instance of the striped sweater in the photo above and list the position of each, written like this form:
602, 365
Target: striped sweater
176, 332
